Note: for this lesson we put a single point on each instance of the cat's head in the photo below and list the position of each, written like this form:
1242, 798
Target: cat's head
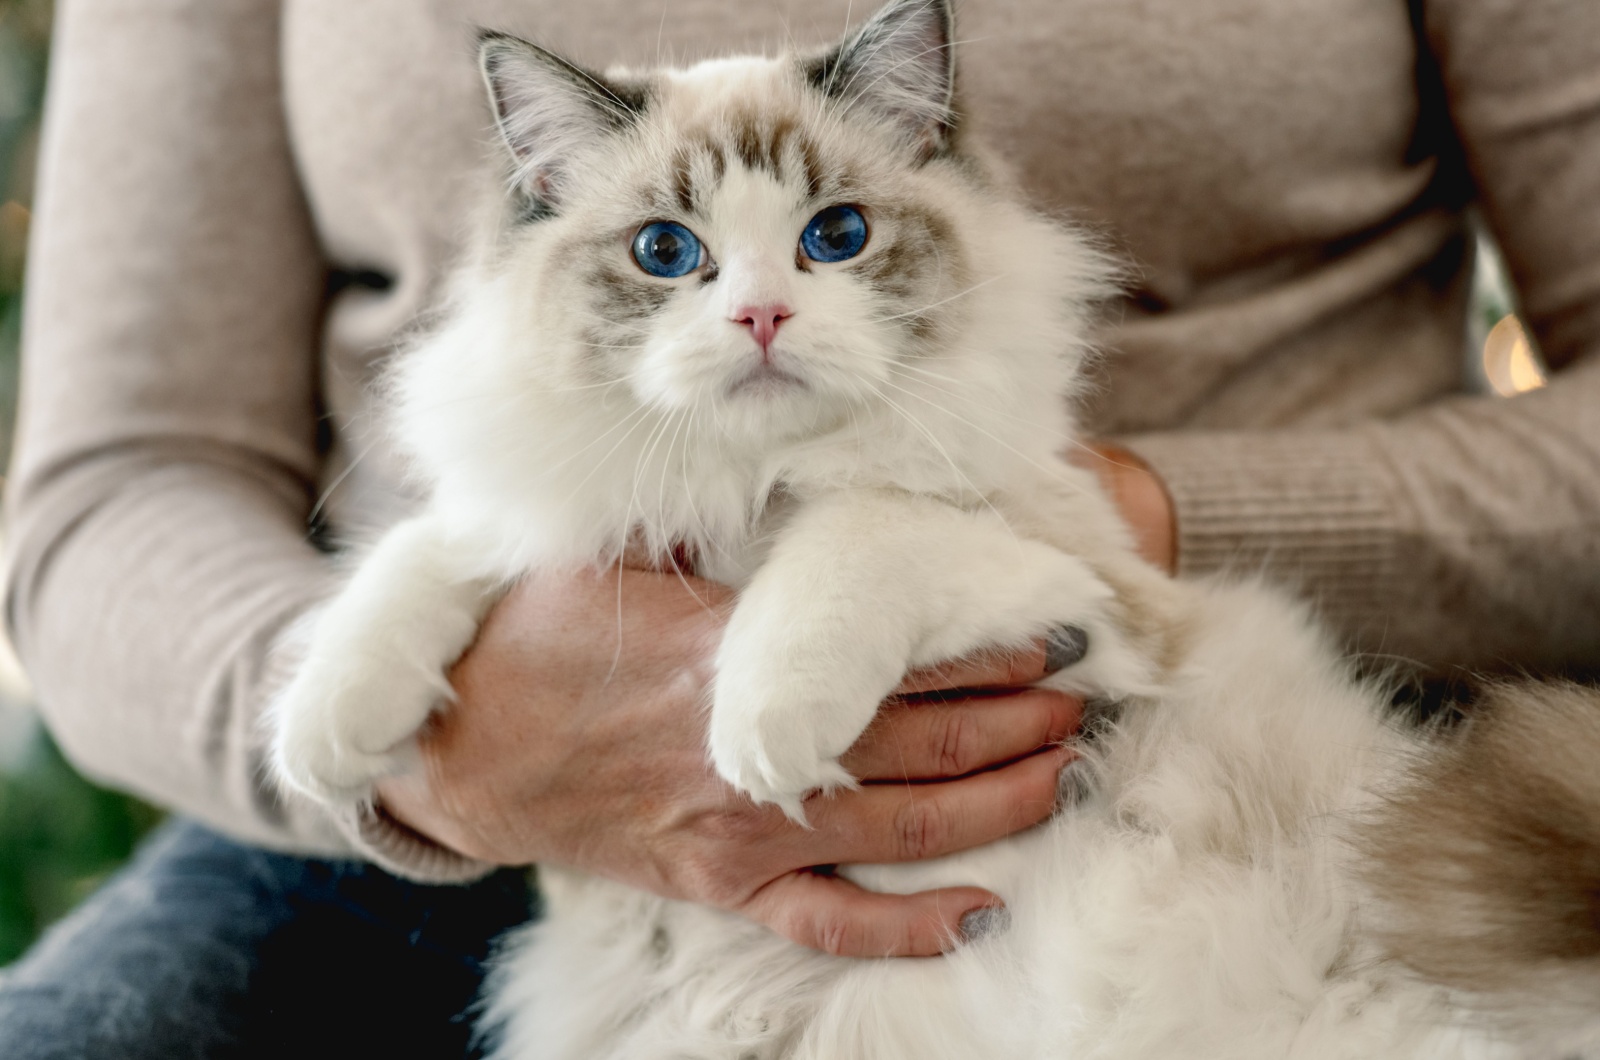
763, 240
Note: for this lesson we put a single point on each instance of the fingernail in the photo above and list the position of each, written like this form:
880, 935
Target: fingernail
984, 921
1064, 646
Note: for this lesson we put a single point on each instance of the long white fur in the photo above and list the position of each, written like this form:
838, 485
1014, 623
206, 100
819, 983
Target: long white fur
906, 505
1197, 905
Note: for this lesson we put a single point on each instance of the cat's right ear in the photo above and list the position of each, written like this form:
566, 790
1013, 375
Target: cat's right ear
899, 68
549, 110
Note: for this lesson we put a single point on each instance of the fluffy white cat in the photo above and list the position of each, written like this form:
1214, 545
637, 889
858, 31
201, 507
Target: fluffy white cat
781, 313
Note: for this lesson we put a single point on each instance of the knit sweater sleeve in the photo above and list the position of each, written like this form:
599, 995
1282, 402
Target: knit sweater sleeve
1468, 532
167, 447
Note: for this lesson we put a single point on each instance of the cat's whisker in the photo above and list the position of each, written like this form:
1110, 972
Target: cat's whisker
327, 491
706, 536
928, 433
626, 533
965, 396
1057, 473
466, 397
642, 466
920, 310
638, 416
595, 318
666, 464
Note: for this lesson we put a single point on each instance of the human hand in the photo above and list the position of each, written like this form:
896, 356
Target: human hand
1140, 497
569, 748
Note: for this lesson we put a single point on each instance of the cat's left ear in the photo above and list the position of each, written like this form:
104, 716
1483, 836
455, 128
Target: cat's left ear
550, 110
899, 67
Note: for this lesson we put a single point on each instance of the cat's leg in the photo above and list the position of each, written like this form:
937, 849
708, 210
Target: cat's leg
374, 662
859, 587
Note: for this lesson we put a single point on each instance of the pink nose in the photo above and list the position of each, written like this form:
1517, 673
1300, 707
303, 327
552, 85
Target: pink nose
762, 321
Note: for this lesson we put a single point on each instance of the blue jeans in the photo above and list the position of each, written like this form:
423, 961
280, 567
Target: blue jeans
202, 948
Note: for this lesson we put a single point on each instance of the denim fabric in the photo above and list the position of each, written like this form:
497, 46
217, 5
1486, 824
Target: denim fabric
206, 949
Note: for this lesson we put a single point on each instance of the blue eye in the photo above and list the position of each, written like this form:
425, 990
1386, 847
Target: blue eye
667, 249
836, 234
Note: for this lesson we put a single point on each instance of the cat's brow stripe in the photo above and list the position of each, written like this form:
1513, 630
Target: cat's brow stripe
747, 142
812, 165
683, 181
782, 129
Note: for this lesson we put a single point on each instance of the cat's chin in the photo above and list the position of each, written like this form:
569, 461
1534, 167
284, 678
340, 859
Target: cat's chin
775, 409
766, 382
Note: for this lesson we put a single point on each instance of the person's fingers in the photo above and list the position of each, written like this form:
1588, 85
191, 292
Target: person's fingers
924, 741
1001, 669
831, 914
909, 822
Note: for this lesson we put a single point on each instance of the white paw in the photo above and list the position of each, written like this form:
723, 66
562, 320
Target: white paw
343, 723
778, 741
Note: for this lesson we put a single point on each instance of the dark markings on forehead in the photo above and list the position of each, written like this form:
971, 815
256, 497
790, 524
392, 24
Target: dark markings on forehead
747, 141
919, 257
764, 142
777, 145
683, 181
783, 127
811, 165
719, 160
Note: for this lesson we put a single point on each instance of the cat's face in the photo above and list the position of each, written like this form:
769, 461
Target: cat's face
756, 241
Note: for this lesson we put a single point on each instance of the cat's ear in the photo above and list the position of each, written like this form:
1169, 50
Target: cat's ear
549, 110
900, 67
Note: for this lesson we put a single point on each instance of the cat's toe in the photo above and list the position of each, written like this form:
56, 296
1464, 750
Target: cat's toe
332, 747
778, 767
335, 773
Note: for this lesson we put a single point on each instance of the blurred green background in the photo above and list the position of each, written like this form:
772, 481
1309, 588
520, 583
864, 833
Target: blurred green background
59, 834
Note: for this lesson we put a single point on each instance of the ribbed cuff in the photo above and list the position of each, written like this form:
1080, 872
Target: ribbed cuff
392, 846
1315, 510
370, 832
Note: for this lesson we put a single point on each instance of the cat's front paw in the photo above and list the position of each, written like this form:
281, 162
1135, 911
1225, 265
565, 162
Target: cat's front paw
777, 741
341, 724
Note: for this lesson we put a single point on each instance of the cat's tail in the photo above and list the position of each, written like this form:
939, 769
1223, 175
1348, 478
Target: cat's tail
1486, 862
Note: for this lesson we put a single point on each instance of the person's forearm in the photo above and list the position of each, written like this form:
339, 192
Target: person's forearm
166, 453
146, 595
1461, 535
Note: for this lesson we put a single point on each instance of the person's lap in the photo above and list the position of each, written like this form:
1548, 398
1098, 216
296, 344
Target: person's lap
203, 948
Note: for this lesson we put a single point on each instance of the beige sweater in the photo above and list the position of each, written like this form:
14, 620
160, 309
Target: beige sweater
1289, 179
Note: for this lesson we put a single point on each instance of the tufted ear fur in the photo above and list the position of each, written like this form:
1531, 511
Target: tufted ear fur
548, 110
900, 66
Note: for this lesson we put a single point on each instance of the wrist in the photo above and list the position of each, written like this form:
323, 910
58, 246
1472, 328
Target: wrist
1140, 497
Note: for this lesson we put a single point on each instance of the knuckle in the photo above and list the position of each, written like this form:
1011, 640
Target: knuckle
956, 749
837, 936
923, 828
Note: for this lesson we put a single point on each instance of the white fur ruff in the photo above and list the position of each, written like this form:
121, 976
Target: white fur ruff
1197, 904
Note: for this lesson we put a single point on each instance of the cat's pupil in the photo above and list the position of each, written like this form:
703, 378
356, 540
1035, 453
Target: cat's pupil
836, 233
667, 248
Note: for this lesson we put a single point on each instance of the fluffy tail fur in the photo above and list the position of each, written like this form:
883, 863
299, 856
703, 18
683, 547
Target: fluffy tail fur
1486, 863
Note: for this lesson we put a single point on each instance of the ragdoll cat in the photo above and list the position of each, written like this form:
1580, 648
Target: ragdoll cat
781, 313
